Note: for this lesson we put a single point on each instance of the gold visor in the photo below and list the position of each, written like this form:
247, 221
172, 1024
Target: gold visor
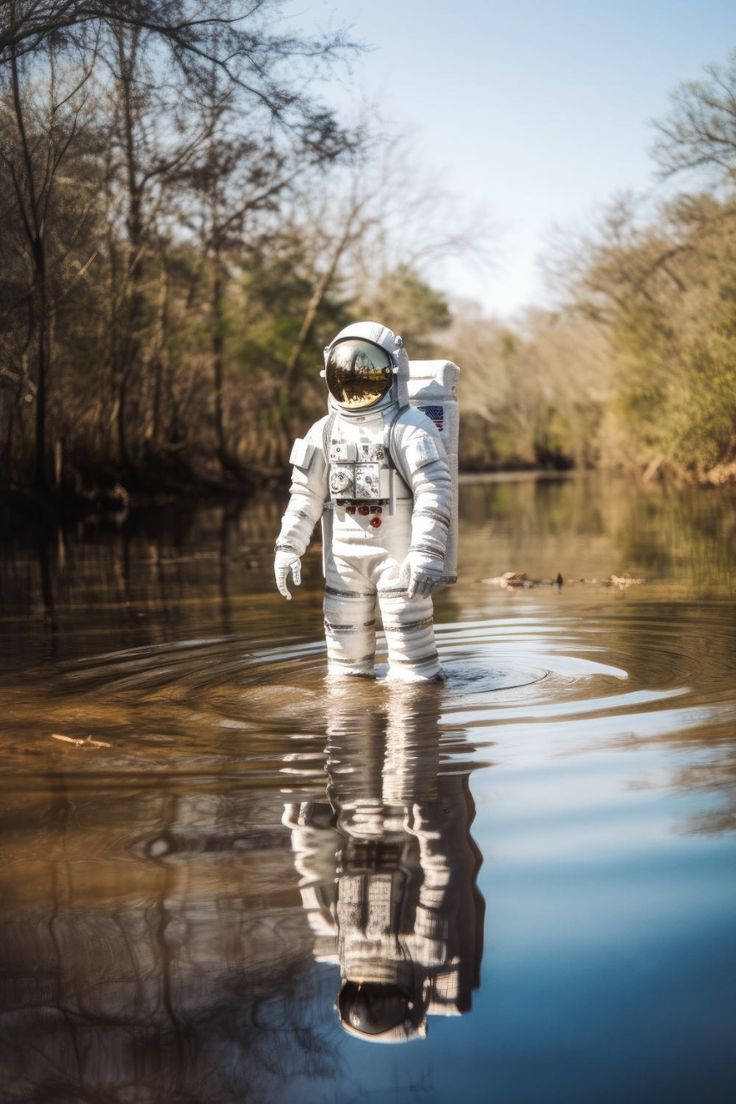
358, 373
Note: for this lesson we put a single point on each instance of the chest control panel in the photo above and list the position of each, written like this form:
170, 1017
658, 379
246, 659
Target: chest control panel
356, 470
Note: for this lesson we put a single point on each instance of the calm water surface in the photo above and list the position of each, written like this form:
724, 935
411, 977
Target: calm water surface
523, 879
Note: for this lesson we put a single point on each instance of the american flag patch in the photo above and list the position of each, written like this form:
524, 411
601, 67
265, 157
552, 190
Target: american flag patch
436, 414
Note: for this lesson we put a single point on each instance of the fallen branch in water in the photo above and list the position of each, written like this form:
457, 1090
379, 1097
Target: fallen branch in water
512, 580
86, 742
622, 581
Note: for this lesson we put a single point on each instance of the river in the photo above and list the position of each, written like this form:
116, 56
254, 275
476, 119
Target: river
207, 848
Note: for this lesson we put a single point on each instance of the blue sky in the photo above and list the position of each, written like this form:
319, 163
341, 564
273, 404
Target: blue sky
539, 109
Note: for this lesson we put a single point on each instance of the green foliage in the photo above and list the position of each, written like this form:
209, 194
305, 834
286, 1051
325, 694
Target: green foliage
670, 317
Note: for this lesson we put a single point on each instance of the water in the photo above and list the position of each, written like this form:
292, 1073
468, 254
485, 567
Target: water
539, 855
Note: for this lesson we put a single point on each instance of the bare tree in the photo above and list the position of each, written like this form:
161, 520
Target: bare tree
378, 215
234, 191
38, 128
163, 59
700, 130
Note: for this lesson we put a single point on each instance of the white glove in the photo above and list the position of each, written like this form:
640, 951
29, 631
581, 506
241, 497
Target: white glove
421, 574
284, 563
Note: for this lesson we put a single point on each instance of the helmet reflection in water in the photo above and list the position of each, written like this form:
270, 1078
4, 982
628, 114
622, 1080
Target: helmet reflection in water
358, 373
373, 1007
388, 867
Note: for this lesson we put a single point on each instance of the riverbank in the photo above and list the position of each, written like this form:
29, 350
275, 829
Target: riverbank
27, 508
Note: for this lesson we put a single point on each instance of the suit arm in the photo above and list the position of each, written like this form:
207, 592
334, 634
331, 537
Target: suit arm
307, 493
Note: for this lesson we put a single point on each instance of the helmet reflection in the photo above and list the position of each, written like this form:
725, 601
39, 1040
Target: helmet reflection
358, 373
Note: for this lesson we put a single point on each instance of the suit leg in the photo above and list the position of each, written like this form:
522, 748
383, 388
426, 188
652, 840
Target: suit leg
409, 628
350, 619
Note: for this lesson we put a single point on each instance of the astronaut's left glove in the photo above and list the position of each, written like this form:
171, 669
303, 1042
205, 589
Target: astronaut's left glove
284, 563
421, 574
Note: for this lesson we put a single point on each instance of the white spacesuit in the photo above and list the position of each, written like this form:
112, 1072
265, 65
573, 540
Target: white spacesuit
377, 470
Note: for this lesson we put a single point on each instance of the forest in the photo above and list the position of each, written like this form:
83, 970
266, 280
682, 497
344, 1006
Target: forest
186, 221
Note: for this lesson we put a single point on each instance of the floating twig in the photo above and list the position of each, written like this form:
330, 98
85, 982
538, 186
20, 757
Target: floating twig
86, 742
514, 579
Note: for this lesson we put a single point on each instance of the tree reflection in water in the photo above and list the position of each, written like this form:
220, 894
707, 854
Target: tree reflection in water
153, 944
388, 867
157, 972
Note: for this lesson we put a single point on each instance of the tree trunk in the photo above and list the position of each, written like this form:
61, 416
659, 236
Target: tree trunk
39, 306
218, 356
157, 365
315, 302
130, 367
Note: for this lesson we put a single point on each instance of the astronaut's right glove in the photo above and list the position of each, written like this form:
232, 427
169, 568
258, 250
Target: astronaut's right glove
284, 563
421, 574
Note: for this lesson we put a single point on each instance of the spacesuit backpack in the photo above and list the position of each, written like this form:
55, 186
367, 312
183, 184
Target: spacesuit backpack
432, 388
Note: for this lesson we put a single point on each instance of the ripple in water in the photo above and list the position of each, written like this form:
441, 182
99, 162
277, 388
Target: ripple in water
232, 705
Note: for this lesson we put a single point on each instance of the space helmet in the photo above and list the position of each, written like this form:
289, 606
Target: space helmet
366, 366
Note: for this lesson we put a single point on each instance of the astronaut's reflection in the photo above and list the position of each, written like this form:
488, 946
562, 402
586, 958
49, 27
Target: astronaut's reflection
387, 865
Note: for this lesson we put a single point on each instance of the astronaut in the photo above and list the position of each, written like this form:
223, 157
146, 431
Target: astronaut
376, 472
388, 868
